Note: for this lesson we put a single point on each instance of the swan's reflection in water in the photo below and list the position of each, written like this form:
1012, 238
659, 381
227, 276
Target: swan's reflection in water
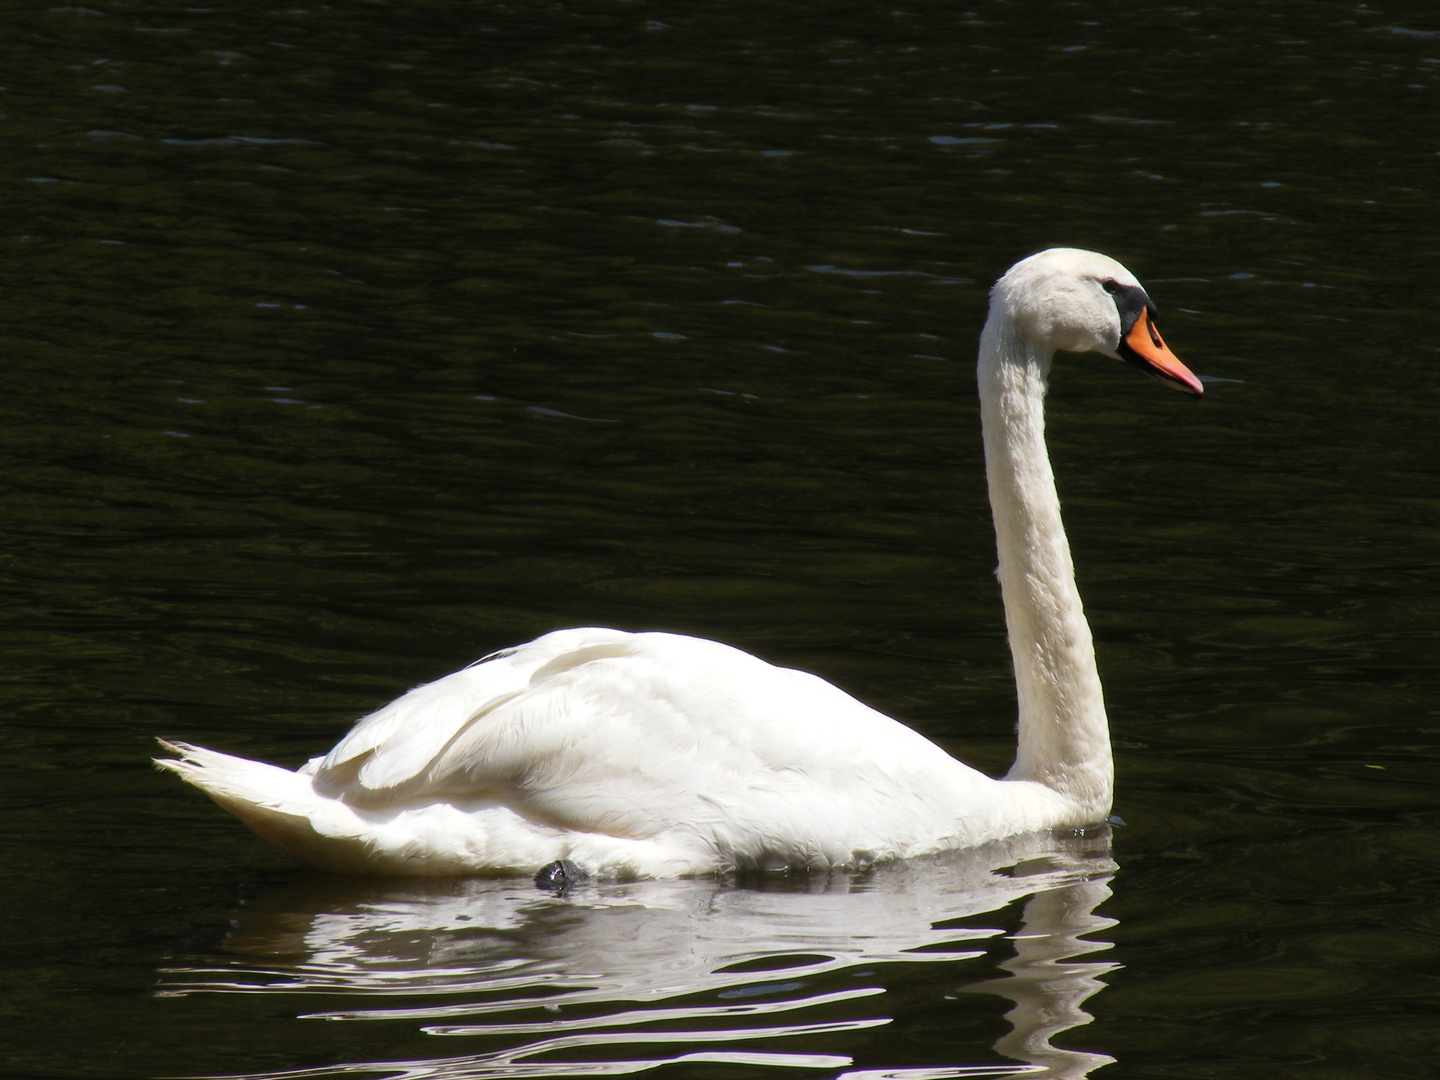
768, 972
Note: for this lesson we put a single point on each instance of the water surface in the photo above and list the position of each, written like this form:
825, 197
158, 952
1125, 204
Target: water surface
345, 345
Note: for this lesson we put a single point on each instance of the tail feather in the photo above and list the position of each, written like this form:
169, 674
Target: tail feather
281, 806
436, 836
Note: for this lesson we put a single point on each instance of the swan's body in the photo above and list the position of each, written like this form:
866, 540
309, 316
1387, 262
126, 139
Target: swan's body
660, 755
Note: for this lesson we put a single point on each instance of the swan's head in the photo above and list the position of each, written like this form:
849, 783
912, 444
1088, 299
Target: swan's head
1080, 301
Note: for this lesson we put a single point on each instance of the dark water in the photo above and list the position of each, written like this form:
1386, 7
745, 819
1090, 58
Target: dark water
345, 344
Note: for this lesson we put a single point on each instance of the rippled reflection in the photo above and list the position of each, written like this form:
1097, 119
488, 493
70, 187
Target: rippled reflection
791, 972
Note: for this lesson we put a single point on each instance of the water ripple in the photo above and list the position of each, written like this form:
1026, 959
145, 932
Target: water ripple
600, 982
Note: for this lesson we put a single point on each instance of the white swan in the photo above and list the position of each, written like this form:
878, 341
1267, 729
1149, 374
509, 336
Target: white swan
661, 755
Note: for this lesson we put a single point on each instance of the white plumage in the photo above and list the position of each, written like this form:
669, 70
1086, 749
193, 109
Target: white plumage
660, 755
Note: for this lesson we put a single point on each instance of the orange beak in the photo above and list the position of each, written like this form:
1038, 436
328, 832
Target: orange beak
1144, 348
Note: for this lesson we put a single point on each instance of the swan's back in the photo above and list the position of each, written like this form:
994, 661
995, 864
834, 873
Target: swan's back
650, 754
639, 736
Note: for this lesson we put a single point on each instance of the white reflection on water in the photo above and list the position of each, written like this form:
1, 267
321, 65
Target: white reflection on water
619, 978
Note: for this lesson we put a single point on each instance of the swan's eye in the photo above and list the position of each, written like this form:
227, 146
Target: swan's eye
1111, 286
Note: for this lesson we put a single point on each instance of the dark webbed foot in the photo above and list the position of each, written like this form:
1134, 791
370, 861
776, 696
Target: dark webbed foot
559, 876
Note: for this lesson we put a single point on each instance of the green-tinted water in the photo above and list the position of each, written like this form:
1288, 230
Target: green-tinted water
344, 345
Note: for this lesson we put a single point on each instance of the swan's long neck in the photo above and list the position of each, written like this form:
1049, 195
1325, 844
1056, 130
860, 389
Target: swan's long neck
1064, 740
